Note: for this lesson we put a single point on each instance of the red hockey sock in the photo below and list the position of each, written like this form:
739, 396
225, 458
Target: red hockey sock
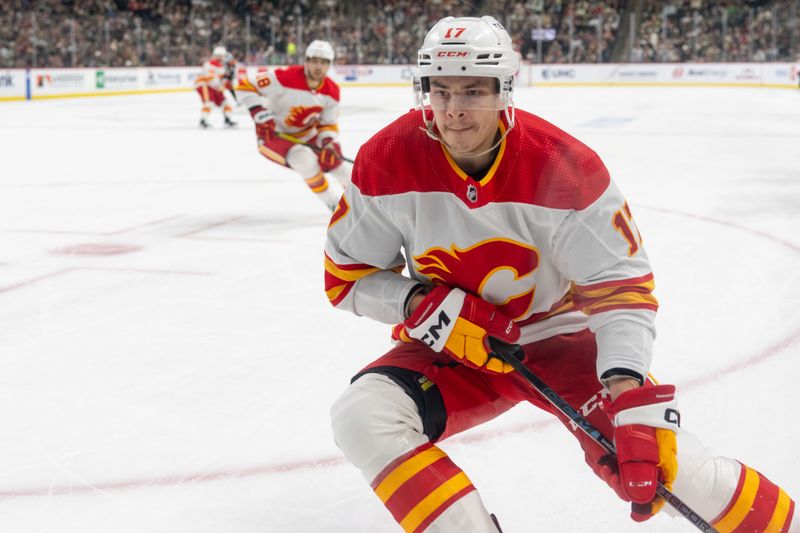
758, 505
418, 486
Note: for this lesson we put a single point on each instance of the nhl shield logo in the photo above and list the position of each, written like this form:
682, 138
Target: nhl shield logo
472, 193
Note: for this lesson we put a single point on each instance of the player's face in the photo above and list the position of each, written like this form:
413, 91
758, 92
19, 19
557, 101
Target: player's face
465, 109
317, 68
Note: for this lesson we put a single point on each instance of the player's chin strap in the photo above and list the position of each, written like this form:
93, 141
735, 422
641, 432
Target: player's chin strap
509, 112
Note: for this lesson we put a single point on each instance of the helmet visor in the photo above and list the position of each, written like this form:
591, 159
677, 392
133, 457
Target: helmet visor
462, 93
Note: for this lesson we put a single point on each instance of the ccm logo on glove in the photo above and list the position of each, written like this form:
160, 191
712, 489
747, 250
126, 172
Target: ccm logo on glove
460, 324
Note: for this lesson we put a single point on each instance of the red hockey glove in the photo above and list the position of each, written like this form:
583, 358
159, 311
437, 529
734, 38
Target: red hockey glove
330, 156
460, 324
645, 421
265, 124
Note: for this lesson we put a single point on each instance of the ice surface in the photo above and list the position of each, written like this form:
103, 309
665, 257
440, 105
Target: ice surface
169, 356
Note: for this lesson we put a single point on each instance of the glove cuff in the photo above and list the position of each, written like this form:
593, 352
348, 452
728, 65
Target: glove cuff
326, 137
648, 406
260, 115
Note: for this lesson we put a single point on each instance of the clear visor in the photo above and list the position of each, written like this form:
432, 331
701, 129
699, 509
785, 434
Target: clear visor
480, 95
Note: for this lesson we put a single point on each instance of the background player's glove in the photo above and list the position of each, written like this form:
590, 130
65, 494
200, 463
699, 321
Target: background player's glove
460, 324
331, 155
265, 123
645, 421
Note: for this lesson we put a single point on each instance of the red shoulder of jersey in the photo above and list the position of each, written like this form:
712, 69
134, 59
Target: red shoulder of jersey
540, 165
397, 159
552, 168
216, 62
330, 88
294, 77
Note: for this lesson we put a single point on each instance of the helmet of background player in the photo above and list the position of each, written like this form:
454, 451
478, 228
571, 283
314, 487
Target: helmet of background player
467, 46
320, 49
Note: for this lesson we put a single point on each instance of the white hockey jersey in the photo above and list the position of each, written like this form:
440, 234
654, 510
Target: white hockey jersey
545, 235
299, 111
212, 75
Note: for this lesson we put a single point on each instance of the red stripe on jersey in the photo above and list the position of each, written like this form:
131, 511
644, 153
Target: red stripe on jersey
564, 305
633, 293
603, 309
341, 210
294, 77
339, 279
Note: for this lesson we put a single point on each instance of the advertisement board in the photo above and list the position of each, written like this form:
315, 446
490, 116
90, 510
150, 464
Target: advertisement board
775, 75
55, 83
12, 84
18, 84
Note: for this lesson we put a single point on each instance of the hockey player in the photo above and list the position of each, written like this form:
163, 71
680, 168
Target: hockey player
212, 82
296, 120
513, 229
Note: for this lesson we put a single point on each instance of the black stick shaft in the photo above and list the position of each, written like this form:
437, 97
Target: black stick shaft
506, 353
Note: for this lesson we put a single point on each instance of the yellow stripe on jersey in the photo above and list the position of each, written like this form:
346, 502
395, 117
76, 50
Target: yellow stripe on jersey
334, 292
490, 174
348, 275
624, 299
245, 85
602, 292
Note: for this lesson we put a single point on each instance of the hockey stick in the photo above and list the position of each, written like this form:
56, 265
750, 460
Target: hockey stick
507, 353
316, 150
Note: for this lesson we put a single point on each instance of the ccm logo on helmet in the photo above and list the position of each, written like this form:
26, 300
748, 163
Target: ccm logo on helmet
452, 54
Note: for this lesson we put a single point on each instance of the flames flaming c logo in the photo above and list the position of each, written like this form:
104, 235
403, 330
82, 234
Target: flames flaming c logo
303, 117
498, 270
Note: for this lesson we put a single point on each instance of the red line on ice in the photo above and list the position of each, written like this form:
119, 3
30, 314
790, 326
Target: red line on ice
31, 281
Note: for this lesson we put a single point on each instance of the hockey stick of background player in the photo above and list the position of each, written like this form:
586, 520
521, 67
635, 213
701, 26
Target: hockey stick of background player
316, 150
508, 353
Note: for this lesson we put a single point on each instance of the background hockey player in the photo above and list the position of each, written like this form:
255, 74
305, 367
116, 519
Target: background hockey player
217, 75
296, 110
513, 229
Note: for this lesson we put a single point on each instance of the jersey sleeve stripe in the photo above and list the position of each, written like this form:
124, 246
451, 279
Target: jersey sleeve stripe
339, 279
616, 283
634, 293
245, 86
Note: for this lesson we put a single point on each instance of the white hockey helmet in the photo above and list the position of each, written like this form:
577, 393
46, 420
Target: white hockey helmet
219, 51
468, 46
320, 49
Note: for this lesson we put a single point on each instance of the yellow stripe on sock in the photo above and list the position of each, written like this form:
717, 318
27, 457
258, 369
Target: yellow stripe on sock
434, 500
406, 471
738, 512
778, 519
